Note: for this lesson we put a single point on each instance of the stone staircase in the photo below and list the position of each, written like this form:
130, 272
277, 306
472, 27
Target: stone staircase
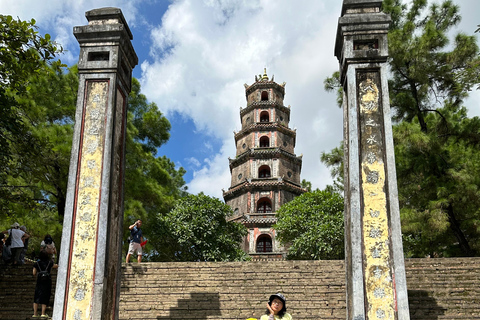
439, 289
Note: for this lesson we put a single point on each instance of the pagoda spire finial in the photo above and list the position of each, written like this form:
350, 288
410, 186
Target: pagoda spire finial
264, 77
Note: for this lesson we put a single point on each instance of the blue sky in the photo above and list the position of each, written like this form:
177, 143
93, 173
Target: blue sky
196, 55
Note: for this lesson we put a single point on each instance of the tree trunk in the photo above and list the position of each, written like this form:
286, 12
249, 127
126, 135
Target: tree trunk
457, 231
420, 117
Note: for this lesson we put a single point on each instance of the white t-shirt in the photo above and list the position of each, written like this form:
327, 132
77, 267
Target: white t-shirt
17, 238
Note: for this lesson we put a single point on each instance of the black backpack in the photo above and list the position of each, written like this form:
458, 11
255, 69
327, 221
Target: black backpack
44, 275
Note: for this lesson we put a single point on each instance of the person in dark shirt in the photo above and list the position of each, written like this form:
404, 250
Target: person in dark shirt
136, 239
43, 287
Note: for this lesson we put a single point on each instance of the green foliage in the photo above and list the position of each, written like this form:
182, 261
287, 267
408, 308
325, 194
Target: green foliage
197, 230
436, 144
307, 185
312, 226
23, 54
34, 179
22, 51
426, 72
333, 84
334, 160
439, 182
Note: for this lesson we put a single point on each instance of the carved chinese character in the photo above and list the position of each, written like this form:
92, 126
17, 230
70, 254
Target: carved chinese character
377, 273
86, 199
379, 293
374, 214
372, 177
375, 232
369, 105
370, 123
92, 146
94, 130
376, 252
79, 295
81, 255
91, 164
371, 158
77, 315
371, 140
87, 216
88, 182
95, 114
85, 235
96, 98
380, 314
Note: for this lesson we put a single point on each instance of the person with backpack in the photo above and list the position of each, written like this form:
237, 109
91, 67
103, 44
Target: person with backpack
43, 287
15, 240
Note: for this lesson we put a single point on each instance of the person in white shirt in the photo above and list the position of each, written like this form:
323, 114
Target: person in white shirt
16, 246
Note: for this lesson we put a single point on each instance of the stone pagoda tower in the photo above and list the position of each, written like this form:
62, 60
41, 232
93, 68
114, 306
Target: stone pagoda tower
265, 171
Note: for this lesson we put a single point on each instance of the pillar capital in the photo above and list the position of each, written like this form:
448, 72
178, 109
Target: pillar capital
105, 44
361, 34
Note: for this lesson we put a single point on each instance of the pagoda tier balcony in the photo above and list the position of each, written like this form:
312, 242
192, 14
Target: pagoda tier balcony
264, 153
255, 219
265, 126
264, 104
268, 84
262, 184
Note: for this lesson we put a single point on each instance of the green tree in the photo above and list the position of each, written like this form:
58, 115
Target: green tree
307, 185
439, 184
197, 230
23, 54
35, 177
435, 142
430, 82
334, 160
311, 225
426, 73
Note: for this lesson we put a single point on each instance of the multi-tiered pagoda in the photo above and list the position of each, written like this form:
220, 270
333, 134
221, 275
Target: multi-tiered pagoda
265, 171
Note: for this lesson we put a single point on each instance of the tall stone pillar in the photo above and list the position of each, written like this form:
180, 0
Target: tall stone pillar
88, 281
376, 283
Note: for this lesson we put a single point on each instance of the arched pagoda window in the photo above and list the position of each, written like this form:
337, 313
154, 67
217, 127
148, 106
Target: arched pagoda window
264, 205
264, 116
264, 95
264, 142
264, 243
264, 172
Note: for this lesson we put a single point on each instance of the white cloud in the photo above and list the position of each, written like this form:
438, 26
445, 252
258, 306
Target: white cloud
214, 175
203, 51
193, 162
216, 46
60, 16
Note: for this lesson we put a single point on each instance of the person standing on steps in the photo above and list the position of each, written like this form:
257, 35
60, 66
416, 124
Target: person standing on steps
43, 287
17, 239
136, 239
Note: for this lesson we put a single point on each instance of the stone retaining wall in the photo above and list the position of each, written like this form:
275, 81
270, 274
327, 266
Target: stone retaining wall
439, 289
